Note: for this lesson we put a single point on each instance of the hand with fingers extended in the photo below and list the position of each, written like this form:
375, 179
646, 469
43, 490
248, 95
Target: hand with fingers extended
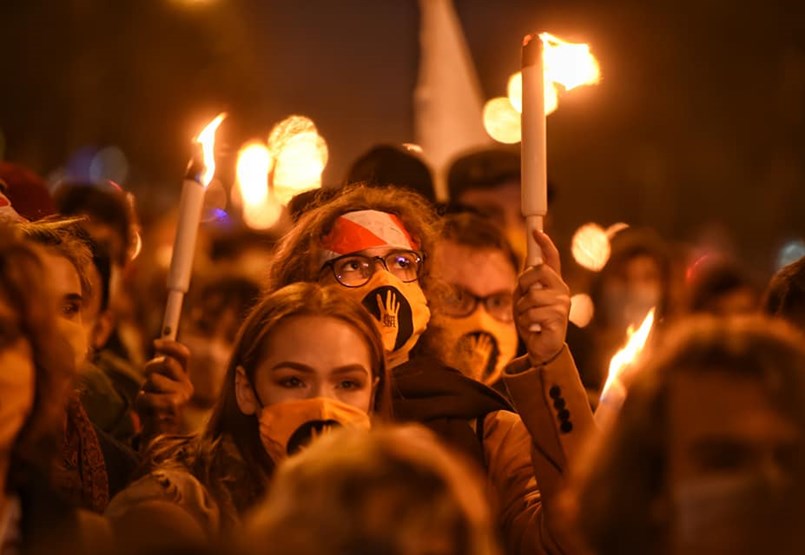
542, 305
389, 312
166, 391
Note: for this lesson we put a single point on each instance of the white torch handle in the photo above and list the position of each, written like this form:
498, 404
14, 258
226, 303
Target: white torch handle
184, 246
533, 152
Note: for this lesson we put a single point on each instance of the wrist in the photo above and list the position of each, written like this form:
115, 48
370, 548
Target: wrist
537, 361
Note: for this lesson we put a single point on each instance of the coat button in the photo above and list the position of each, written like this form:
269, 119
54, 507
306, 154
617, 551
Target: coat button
566, 427
564, 415
555, 392
559, 403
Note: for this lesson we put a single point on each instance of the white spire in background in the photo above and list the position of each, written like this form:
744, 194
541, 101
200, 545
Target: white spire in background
448, 103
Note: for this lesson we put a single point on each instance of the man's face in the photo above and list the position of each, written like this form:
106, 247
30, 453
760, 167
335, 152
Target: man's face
481, 341
66, 284
732, 456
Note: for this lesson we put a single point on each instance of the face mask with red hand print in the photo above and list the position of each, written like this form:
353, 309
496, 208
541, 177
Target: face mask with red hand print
399, 306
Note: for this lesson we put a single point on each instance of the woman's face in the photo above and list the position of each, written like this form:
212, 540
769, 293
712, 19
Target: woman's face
17, 376
315, 356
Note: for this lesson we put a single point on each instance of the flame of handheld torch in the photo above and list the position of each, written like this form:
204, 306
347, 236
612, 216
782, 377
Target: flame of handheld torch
568, 64
207, 141
629, 353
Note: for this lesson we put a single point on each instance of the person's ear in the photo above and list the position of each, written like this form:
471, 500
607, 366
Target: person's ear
102, 330
244, 392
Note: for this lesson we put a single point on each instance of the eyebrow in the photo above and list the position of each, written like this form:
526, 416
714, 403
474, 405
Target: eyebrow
310, 370
74, 297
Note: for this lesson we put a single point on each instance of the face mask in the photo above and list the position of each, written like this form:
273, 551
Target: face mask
480, 346
16, 390
76, 336
723, 515
209, 359
400, 309
288, 427
630, 308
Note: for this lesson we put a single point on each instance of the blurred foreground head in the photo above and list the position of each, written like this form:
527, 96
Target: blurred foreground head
785, 296
391, 491
706, 455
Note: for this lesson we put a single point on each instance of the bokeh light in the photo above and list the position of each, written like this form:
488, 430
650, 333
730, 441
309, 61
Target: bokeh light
791, 252
582, 309
260, 208
109, 164
300, 156
502, 121
515, 92
590, 247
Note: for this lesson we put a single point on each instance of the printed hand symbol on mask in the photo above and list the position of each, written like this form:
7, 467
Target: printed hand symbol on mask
474, 352
388, 316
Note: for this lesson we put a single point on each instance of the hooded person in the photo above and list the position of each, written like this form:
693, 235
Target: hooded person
374, 245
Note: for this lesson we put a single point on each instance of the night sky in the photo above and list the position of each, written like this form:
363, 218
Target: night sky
698, 127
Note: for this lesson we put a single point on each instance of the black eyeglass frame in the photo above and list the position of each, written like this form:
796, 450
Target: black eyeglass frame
420, 259
476, 301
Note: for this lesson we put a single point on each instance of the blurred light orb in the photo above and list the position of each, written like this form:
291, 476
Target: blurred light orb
264, 215
109, 164
515, 91
590, 247
502, 121
413, 147
253, 165
614, 229
790, 253
300, 156
582, 309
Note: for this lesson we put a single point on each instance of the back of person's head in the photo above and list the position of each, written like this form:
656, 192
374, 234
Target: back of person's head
299, 255
392, 491
785, 296
300, 299
31, 311
631, 497
482, 169
391, 165
721, 287
105, 204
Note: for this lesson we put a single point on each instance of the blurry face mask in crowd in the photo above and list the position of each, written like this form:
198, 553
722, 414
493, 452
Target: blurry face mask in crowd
372, 256
732, 458
477, 314
632, 291
17, 377
210, 343
315, 374
66, 283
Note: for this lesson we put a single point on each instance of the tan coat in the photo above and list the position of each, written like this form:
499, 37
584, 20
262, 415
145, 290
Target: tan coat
538, 443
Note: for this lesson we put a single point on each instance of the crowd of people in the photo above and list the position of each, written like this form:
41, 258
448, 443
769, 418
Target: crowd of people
383, 375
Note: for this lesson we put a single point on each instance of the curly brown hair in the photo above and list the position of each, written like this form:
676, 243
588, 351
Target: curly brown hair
299, 254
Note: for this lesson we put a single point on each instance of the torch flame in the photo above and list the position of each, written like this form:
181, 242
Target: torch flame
568, 64
629, 353
260, 210
207, 141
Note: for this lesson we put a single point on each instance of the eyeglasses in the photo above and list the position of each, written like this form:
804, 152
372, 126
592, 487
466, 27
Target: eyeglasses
460, 303
355, 270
